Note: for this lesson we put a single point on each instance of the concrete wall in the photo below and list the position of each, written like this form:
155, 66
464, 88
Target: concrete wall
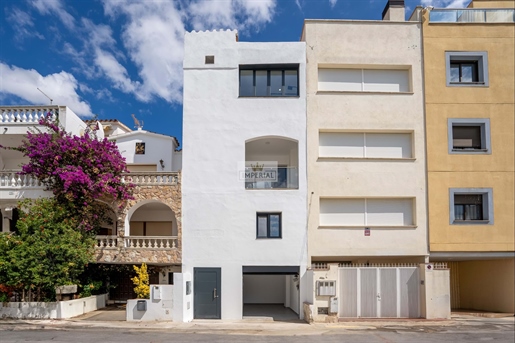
219, 213
435, 293
53, 310
487, 285
264, 289
365, 45
492, 4
158, 308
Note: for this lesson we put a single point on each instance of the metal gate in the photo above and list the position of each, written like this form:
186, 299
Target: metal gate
378, 292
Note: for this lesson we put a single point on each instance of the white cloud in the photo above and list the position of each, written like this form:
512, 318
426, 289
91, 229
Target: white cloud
446, 3
22, 24
231, 14
55, 7
61, 87
332, 3
297, 2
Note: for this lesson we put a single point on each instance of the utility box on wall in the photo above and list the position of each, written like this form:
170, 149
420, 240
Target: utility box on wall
333, 305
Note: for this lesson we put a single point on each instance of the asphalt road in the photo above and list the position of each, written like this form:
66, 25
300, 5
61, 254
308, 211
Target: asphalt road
486, 332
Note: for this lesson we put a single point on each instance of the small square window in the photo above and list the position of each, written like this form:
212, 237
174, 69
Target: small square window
210, 60
140, 148
466, 68
469, 136
268, 225
471, 206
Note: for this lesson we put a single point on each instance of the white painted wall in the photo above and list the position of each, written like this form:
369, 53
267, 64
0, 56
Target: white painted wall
264, 289
52, 310
70, 121
157, 147
368, 45
159, 306
219, 214
435, 293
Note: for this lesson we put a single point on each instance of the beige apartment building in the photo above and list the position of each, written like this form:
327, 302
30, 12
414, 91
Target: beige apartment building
366, 164
469, 93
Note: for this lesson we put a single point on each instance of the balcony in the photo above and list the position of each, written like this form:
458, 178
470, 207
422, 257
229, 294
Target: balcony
505, 15
15, 115
271, 163
138, 249
137, 242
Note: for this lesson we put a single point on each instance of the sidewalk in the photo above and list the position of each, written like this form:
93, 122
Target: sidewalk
254, 327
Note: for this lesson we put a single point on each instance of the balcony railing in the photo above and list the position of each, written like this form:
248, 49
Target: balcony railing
287, 178
152, 178
150, 242
138, 242
106, 241
11, 180
28, 115
505, 15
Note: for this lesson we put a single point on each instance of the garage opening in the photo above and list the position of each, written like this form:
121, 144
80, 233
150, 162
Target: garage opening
271, 293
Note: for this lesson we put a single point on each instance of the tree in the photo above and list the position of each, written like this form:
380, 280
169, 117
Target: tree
84, 173
46, 251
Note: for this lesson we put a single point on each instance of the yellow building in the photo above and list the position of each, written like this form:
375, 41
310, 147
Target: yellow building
470, 89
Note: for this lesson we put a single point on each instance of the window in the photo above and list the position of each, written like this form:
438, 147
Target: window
469, 136
140, 148
268, 225
466, 68
266, 81
471, 206
365, 145
364, 80
368, 212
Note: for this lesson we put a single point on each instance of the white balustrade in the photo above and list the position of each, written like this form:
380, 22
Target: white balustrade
152, 178
26, 115
11, 179
106, 242
150, 242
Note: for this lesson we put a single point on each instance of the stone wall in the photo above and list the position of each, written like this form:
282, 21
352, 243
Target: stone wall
168, 194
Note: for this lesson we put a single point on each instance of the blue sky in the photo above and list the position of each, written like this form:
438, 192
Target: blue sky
113, 58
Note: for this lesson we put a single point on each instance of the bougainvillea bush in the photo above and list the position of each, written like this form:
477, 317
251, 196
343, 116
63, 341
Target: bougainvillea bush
84, 173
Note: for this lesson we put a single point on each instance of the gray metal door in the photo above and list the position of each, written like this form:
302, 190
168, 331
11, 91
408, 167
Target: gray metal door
207, 291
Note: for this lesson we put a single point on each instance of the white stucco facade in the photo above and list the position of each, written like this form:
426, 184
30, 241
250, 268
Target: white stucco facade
366, 144
219, 212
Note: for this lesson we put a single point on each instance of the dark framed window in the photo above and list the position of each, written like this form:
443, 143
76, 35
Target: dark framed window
268, 225
464, 71
466, 68
269, 81
170, 278
469, 136
471, 206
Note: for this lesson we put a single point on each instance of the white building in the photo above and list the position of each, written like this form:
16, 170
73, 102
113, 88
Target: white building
15, 122
244, 240
366, 158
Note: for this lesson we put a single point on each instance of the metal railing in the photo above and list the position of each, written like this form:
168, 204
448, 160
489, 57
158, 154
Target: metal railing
26, 115
287, 178
497, 15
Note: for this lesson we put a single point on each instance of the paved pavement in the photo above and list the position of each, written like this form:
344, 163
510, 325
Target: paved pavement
459, 323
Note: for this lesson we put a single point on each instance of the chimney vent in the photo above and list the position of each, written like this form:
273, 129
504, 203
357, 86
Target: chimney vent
394, 10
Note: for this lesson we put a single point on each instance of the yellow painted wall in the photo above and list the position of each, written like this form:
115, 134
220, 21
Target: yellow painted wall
492, 4
496, 102
487, 285
496, 237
